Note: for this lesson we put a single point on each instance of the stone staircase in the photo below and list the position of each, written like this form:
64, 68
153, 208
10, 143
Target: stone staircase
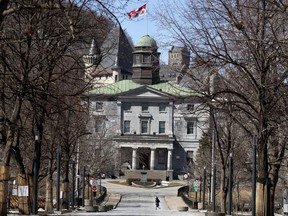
151, 174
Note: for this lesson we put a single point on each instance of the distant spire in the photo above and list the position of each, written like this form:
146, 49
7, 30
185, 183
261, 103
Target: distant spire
93, 49
116, 61
94, 57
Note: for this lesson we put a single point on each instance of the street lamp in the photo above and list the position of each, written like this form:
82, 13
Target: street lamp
213, 171
58, 177
230, 184
36, 166
254, 177
73, 184
83, 187
204, 187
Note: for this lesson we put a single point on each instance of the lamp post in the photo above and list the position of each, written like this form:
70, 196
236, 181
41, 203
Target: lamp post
36, 166
78, 189
204, 187
73, 184
213, 171
58, 178
83, 187
10, 188
230, 184
254, 177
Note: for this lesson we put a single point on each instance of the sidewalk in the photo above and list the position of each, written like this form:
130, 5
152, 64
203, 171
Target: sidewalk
112, 199
173, 202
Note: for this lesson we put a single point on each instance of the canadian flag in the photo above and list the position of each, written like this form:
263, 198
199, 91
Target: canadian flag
137, 12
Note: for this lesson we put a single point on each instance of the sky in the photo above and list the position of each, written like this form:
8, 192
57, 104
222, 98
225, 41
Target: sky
139, 26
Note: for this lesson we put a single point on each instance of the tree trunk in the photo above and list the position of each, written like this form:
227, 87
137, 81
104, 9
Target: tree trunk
223, 190
49, 195
24, 202
272, 200
259, 199
4, 177
65, 195
263, 198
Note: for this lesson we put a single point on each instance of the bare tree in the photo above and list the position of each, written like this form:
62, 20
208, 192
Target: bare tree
247, 44
98, 148
41, 48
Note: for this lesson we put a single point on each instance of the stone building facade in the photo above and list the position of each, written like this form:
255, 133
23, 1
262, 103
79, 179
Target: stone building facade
154, 125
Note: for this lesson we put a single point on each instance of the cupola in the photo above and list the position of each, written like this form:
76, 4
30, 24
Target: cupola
146, 61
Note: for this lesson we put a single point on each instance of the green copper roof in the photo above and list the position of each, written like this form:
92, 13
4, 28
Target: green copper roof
115, 88
173, 89
127, 85
146, 41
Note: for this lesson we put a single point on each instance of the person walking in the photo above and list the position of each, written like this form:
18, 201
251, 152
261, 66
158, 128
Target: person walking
157, 201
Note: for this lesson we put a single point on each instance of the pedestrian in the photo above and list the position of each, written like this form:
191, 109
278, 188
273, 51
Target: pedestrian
157, 201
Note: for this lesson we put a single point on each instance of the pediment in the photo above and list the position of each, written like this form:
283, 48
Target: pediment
145, 92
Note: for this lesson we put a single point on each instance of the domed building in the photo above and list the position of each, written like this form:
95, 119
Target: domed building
151, 125
146, 61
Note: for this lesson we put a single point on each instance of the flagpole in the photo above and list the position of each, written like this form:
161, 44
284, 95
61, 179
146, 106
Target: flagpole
147, 17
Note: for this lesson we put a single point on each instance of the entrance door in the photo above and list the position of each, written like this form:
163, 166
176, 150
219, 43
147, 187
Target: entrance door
144, 158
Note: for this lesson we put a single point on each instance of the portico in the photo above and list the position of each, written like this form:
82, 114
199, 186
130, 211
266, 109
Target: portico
149, 158
152, 153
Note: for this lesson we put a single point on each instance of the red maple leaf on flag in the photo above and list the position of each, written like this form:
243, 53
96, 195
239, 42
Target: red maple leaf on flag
137, 12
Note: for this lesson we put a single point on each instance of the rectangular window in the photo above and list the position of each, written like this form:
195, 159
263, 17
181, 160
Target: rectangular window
127, 106
190, 107
98, 125
190, 127
144, 107
161, 156
126, 126
162, 108
146, 59
161, 127
137, 59
99, 106
144, 126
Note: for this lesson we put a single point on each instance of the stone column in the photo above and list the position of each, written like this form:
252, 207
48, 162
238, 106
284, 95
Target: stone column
152, 159
134, 158
169, 157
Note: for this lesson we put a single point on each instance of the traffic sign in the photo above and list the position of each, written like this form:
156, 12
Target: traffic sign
92, 182
94, 188
196, 185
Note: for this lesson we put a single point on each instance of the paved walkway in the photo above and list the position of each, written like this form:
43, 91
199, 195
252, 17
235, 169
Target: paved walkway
133, 201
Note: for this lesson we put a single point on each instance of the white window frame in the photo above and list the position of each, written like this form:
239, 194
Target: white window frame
188, 127
161, 131
127, 128
141, 125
